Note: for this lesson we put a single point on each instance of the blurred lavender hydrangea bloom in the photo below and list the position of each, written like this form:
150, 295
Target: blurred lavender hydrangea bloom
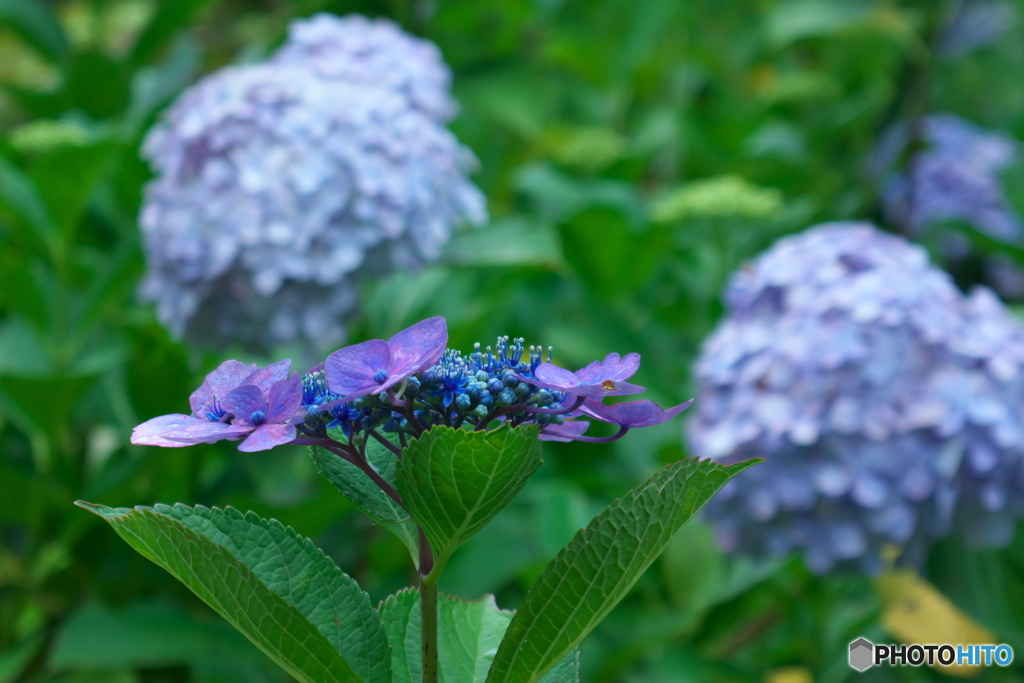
889, 406
976, 24
955, 178
278, 188
375, 52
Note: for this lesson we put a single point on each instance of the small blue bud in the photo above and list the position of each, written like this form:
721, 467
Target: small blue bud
544, 398
509, 379
412, 384
522, 389
506, 398
258, 417
494, 385
380, 376
558, 419
486, 399
463, 402
481, 376
479, 411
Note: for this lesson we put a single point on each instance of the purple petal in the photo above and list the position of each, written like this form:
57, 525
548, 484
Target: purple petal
243, 402
565, 431
611, 368
226, 377
267, 436
350, 370
605, 388
264, 378
633, 413
284, 399
152, 432
416, 348
553, 377
176, 431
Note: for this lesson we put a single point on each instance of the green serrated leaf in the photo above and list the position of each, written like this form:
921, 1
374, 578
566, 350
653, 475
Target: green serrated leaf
454, 482
213, 568
599, 566
299, 572
468, 637
357, 487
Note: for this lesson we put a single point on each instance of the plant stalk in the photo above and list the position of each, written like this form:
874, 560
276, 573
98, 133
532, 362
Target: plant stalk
428, 614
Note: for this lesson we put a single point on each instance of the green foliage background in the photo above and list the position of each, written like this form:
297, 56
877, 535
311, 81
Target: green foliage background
633, 154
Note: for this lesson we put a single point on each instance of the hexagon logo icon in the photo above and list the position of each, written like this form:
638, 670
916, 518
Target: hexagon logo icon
862, 654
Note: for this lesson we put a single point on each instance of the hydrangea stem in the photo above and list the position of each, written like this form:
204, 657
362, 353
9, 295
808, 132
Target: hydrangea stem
428, 612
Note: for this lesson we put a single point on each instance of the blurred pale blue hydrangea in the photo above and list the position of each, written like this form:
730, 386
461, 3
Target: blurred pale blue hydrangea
976, 24
889, 406
956, 177
278, 189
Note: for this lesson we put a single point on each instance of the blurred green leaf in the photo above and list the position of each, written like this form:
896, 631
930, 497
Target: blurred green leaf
468, 636
154, 86
513, 241
170, 18
88, 70
250, 598
142, 635
724, 197
34, 20
14, 660
355, 485
793, 20
599, 566
20, 195
454, 481
66, 177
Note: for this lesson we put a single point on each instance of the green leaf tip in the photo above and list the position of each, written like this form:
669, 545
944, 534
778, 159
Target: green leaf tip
599, 566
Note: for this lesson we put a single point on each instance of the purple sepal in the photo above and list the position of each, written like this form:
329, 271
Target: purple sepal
641, 413
243, 402
565, 431
600, 378
177, 431
267, 436
375, 366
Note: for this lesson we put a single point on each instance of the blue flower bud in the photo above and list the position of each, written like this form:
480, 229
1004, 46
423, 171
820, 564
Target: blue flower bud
463, 403
486, 399
482, 376
507, 397
544, 398
522, 389
479, 411
495, 385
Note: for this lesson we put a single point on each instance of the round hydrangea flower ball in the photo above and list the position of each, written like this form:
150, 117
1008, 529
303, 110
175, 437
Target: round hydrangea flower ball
889, 406
278, 190
375, 52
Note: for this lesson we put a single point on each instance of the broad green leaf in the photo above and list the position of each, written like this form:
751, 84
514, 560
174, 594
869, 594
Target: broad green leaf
174, 538
468, 637
454, 481
299, 572
360, 489
599, 566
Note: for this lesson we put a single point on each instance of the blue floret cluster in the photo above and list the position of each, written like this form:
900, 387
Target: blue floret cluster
281, 185
889, 406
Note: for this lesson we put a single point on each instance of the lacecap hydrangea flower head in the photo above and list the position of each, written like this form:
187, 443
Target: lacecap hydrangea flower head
889, 406
392, 391
281, 185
